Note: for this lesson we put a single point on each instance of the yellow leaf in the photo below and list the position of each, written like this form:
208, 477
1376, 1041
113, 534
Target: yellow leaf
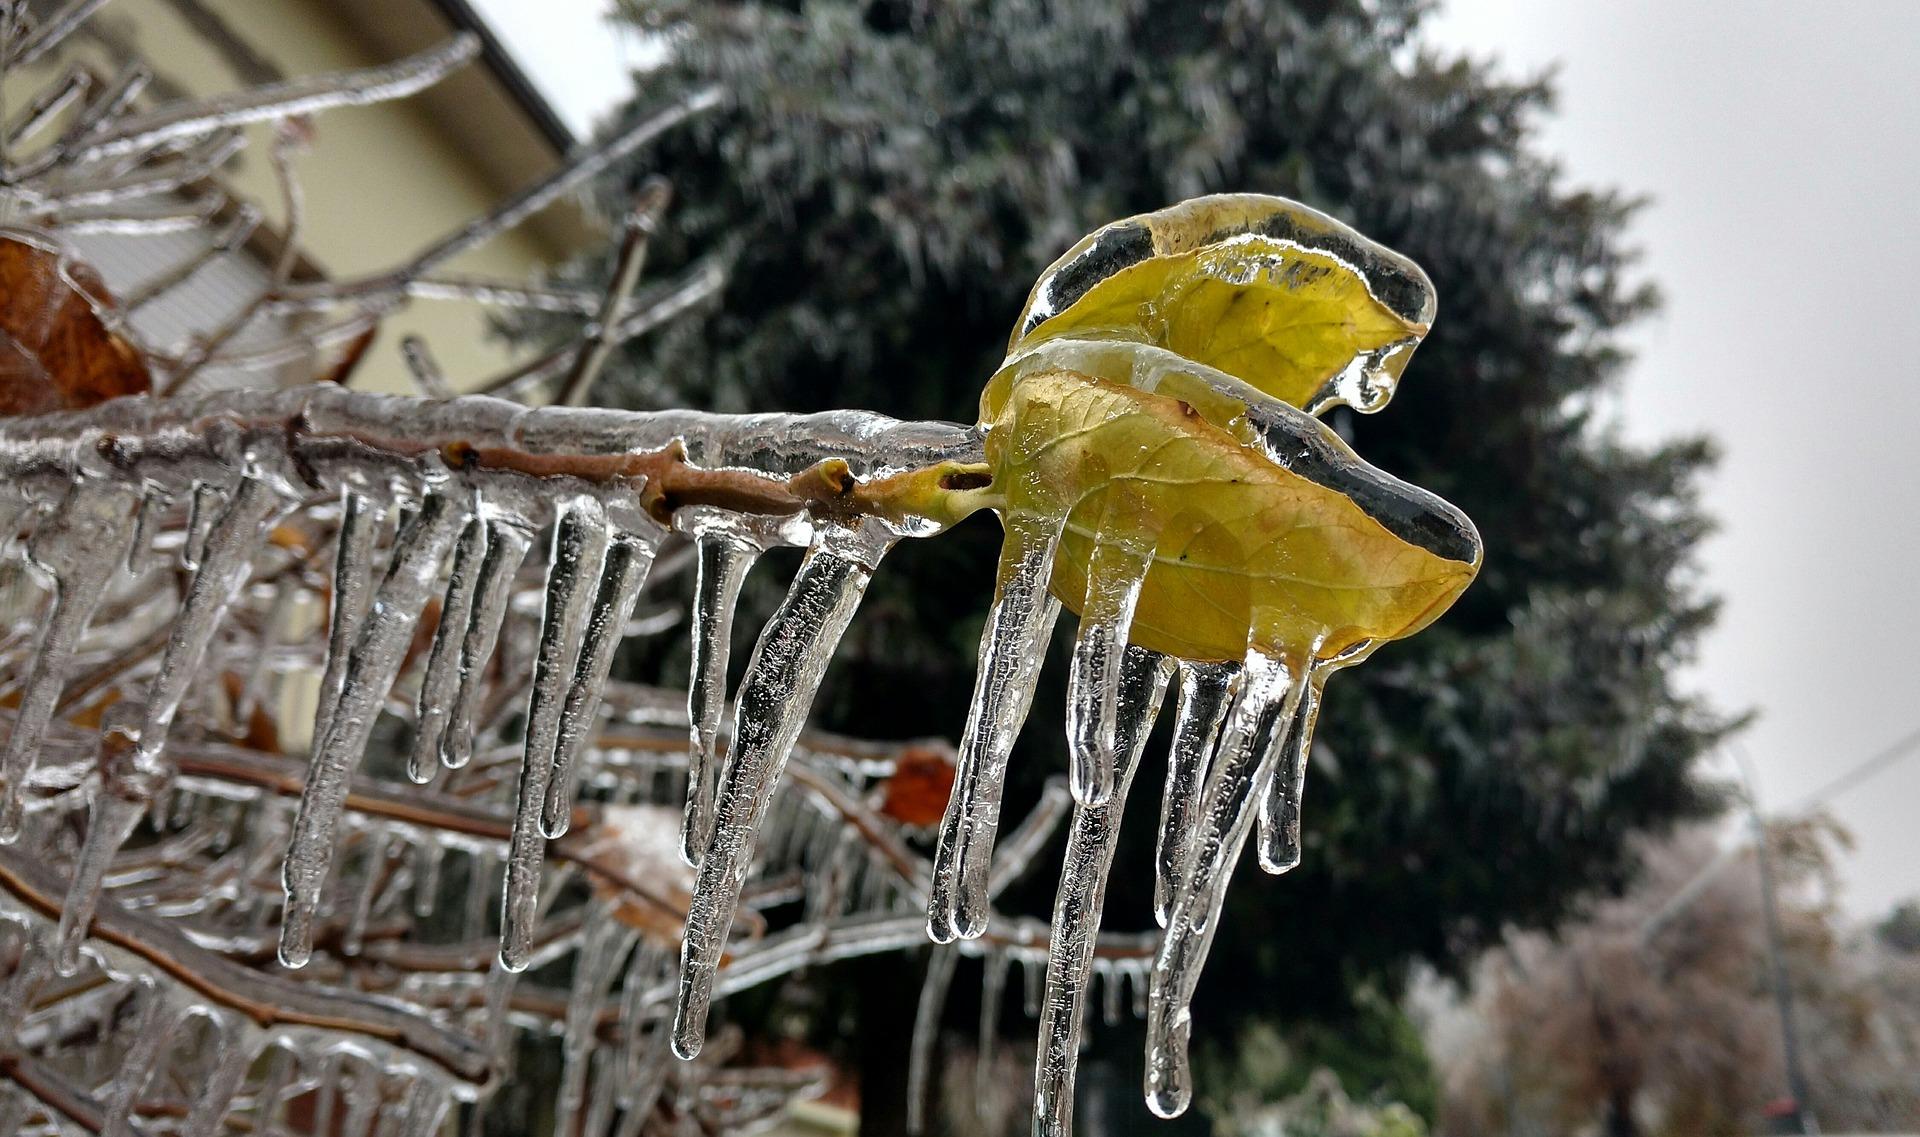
1265, 289
1266, 532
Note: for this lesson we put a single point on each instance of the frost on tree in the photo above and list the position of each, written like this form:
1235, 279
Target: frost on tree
488, 840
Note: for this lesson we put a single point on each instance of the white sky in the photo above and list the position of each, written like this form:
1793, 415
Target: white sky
1781, 144
578, 58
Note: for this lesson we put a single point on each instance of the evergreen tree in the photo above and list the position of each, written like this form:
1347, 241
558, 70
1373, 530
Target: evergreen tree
888, 178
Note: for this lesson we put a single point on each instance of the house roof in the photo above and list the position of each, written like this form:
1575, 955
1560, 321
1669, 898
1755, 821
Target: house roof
492, 111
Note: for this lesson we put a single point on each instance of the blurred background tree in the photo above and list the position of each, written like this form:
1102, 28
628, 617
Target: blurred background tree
889, 177
1641, 1020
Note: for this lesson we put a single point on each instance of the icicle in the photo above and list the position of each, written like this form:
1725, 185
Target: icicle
1236, 779
366, 889
1115, 574
926, 1033
647, 1082
1206, 691
429, 856
507, 546
500, 984
362, 1100
227, 559
579, 553
213, 1097
1018, 625
332, 1080
628, 560
605, 1090
13, 1110
643, 970
782, 678
202, 510
425, 1106
1091, 842
481, 873
16, 513
115, 809
724, 558
1279, 844
80, 546
352, 581
1032, 974
601, 949
428, 380
442, 675
146, 521
1112, 994
285, 592
273, 1087
378, 651
29, 975
993, 991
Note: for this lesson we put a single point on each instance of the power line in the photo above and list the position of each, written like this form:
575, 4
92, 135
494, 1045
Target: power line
1864, 771
1861, 772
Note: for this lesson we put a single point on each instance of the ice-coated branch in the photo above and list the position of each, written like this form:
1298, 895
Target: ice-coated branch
585, 166
262, 998
274, 101
59, 1095
56, 27
598, 342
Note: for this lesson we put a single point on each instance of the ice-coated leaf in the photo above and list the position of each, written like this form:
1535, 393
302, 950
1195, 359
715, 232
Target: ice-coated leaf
1291, 546
58, 346
1265, 289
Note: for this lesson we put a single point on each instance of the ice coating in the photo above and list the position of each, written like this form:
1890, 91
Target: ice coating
846, 483
282, 100
1281, 296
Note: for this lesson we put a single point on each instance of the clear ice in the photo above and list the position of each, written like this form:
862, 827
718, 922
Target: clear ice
248, 486
1091, 843
1018, 625
781, 680
372, 663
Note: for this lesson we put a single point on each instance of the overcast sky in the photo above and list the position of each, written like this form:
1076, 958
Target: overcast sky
1781, 146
